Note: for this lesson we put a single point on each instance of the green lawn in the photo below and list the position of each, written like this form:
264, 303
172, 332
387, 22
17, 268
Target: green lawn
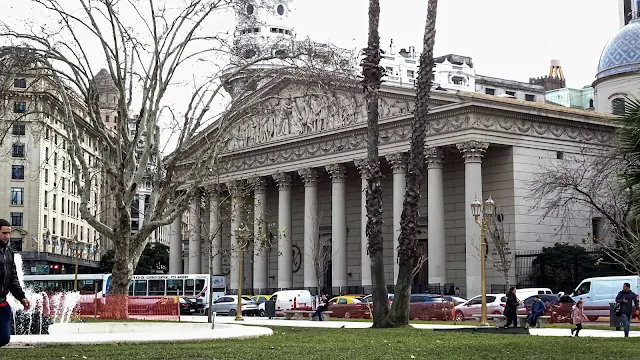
370, 344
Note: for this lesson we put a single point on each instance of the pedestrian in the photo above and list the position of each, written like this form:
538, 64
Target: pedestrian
626, 298
537, 310
8, 283
511, 308
578, 316
322, 306
457, 292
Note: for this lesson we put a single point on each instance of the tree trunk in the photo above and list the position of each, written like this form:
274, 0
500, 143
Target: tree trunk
124, 264
407, 252
372, 78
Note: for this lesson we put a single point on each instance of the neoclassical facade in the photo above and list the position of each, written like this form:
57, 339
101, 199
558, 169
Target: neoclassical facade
303, 164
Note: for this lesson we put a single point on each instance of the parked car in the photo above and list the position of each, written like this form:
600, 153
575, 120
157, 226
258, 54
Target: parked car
558, 309
287, 300
495, 305
597, 293
349, 307
526, 292
228, 305
455, 299
188, 306
369, 298
259, 299
429, 306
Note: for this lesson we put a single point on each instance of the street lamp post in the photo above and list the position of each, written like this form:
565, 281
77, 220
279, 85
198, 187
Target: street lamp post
487, 211
241, 235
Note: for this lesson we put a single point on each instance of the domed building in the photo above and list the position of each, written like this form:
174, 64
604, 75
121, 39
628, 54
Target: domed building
618, 76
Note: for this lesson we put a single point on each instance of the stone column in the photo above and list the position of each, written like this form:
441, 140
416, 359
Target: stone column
215, 231
399, 165
260, 259
285, 260
194, 235
235, 189
205, 238
312, 246
436, 243
338, 227
472, 152
175, 246
365, 260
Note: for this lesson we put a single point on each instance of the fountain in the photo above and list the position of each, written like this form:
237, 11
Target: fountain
44, 310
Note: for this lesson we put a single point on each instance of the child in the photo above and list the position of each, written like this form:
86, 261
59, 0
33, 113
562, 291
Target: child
577, 314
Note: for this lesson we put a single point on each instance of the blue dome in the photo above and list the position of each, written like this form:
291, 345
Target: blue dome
622, 53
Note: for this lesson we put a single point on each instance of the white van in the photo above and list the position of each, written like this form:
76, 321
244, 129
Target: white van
289, 299
522, 294
599, 292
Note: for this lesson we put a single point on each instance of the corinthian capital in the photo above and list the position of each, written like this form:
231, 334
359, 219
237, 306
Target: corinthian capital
398, 162
337, 171
259, 184
310, 176
435, 157
472, 151
283, 180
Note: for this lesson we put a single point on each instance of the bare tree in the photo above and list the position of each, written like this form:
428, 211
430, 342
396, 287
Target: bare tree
407, 240
501, 258
151, 50
585, 187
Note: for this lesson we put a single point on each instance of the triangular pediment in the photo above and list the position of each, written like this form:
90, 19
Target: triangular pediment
298, 110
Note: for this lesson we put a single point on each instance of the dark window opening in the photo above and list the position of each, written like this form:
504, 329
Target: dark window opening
20, 83
19, 107
590, 103
16, 219
618, 106
510, 93
16, 244
19, 129
17, 172
18, 150
529, 97
489, 91
280, 10
559, 155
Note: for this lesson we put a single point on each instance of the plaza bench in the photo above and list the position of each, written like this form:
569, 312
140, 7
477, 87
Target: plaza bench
299, 314
500, 320
541, 322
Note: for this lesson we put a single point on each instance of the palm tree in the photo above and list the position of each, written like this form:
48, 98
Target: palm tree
372, 74
629, 149
407, 251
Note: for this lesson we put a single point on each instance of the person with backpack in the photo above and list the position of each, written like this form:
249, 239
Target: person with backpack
626, 298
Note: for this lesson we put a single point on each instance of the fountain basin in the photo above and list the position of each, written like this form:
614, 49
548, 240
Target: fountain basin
137, 332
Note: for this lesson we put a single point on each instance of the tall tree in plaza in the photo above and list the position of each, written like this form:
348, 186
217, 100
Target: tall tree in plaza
407, 241
151, 51
372, 78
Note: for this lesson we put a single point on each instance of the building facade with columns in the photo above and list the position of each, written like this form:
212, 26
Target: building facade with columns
291, 175
306, 179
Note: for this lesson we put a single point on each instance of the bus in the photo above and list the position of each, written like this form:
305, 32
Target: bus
188, 285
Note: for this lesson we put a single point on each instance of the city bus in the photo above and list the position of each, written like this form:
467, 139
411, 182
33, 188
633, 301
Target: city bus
190, 285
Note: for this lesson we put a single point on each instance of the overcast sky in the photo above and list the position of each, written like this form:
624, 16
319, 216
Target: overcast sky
512, 39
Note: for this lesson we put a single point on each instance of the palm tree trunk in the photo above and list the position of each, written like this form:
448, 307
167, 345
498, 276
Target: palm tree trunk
399, 314
372, 78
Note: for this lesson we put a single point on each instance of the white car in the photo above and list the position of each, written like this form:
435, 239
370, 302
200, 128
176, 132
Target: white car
228, 305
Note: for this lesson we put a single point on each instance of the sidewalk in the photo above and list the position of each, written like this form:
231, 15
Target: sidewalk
260, 321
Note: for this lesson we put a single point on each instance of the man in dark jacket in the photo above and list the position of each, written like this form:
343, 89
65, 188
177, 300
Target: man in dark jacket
8, 283
626, 298
537, 310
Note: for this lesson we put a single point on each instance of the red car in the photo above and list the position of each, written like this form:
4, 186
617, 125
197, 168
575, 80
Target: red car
559, 311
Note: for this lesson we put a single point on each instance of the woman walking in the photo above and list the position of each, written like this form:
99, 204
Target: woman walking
577, 315
511, 308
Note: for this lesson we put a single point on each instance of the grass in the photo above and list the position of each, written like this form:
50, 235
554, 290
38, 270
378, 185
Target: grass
315, 343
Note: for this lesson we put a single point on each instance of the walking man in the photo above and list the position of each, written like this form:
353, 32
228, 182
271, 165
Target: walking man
626, 298
8, 283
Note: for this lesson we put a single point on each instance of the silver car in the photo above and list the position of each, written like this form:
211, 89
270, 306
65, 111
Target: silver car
228, 305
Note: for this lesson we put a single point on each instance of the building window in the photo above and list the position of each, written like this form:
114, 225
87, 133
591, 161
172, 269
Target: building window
529, 97
590, 103
559, 155
46, 199
617, 105
510, 93
19, 107
457, 80
16, 244
17, 172
62, 206
18, 150
16, 219
55, 139
61, 227
411, 74
53, 224
19, 128
55, 202
46, 176
17, 196
46, 222
489, 91
55, 159
596, 223
46, 133
20, 83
